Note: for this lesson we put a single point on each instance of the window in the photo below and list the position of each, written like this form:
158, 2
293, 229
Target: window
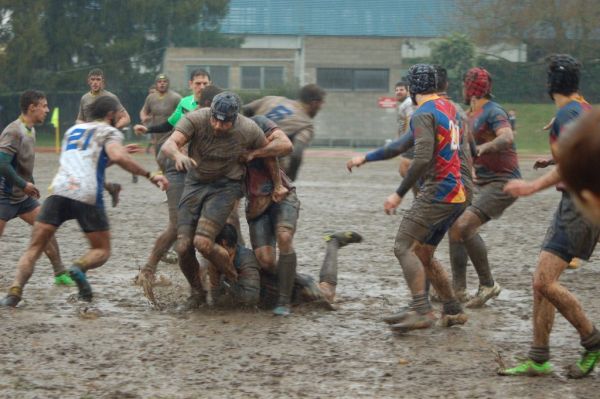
258, 78
353, 79
219, 74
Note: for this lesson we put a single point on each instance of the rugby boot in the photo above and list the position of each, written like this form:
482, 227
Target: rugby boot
585, 365
64, 279
114, 190
414, 321
13, 297
328, 291
85, 289
398, 316
574, 264
483, 295
449, 320
529, 368
344, 238
282, 310
462, 296
192, 302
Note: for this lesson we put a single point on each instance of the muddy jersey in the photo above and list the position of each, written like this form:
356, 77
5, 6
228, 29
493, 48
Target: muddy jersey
436, 124
405, 110
494, 166
258, 180
83, 161
218, 155
159, 106
288, 114
18, 141
88, 99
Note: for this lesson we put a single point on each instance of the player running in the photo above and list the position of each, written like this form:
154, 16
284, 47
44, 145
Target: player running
569, 235
18, 193
76, 193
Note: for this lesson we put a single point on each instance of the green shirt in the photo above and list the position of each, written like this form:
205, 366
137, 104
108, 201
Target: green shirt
186, 105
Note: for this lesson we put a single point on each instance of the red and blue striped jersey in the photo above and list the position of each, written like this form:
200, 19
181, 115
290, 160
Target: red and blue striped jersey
439, 118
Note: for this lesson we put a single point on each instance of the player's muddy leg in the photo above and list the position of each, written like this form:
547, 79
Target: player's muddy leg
286, 270
234, 220
95, 257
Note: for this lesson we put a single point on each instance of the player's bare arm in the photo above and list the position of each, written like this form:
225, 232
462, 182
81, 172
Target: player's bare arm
279, 191
504, 139
119, 155
278, 145
123, 119
523, 188
172, 149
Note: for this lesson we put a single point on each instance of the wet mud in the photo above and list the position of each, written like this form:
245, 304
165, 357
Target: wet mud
119, 346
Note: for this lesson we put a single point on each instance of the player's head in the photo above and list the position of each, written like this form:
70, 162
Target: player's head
313, 97
578, 157
224, 111
228, 238
477, 83
401, 90
563, 75
442, 78
207, 95
422, 79
152, 89
162, 83
95, 80
105, 108
199, 79
34, 105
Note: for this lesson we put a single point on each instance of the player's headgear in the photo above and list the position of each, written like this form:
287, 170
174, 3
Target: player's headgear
478, 83
225, 106
161, 76
563, 74
422, 79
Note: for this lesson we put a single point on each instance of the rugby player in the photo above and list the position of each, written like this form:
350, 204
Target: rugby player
441, 200
18, 193
495, 163
76, 193
569, 235
295, 118
405, 110
217, 138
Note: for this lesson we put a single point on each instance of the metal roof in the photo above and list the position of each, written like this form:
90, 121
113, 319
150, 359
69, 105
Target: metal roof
390, 18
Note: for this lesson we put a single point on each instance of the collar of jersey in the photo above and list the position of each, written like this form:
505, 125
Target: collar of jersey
427, 98
28, 130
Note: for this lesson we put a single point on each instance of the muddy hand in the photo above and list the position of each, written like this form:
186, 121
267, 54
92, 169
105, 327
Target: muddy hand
184, 163
279, 194
31, 190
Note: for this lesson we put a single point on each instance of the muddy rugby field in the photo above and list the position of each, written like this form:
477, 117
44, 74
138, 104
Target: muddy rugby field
53, 346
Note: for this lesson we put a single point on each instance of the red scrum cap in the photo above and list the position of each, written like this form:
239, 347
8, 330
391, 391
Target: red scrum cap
478, 83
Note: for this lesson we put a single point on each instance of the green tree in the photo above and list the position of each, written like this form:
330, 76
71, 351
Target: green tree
456, 53
51, 44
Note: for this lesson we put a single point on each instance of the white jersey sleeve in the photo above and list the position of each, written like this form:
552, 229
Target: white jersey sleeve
83, 162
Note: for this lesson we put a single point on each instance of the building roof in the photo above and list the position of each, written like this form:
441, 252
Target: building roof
389, 18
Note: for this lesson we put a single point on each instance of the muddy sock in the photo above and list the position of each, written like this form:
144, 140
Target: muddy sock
592, 342
478, 254
452, 307
458, 261
539, 354
420, 303
286, 274
329, 271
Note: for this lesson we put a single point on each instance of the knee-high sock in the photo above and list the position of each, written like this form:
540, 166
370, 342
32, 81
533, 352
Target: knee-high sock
329, 270
458, 261
286, 273
478, 254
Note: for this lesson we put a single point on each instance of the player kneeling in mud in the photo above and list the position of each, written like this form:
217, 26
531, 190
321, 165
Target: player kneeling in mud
255, 286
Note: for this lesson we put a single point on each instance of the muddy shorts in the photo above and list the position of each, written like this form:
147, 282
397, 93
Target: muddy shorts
427, 222
204, 207
56, 210
10, 211
263, 228
570, 235
176, 184
489, 201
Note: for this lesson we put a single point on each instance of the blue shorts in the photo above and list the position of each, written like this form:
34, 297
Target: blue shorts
10, 211
570, 235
